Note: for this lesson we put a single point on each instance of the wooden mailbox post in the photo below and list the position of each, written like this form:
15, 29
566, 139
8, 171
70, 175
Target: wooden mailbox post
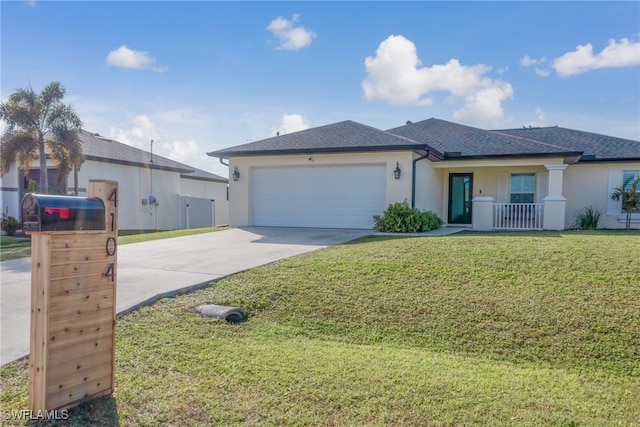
73, 306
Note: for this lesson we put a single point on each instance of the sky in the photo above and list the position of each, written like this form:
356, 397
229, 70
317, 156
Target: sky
200, 76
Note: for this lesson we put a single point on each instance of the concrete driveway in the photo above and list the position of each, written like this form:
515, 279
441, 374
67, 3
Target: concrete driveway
151, 269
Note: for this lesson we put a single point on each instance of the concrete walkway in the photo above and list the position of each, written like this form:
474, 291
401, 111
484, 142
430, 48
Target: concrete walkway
150, 270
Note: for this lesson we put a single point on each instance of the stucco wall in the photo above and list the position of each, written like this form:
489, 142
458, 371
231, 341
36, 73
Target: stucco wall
208, 190
586, 184
10, 184
240, 191
135, 185
429, 187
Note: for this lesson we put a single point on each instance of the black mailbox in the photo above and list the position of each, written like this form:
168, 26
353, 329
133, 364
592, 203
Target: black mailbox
43, 212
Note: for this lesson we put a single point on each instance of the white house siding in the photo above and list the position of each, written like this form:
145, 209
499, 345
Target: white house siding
208, 190
240, 191
586, 184
134, 186
429, 187
10, 183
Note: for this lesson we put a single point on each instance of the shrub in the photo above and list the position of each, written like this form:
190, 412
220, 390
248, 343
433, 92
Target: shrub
400, 218
588, 218
33, 186
9, 224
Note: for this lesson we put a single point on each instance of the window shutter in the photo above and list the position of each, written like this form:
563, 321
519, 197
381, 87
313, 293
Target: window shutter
542, 186
503, 188
615, 181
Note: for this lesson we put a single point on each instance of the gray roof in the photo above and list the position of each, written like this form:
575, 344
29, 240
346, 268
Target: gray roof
594, 146
99, 148
346, 136
200, 175
445, 141
448, 138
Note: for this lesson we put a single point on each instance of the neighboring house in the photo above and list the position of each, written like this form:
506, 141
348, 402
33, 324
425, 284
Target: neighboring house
154, 191
340, 175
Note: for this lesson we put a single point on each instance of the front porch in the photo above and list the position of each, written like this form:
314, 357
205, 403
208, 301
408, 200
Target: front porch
516, 194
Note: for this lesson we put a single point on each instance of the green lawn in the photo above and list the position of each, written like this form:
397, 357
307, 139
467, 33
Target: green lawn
471, 329
20, 247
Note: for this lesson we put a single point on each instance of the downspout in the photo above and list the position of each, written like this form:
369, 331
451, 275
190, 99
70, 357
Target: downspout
222, 161
413, 179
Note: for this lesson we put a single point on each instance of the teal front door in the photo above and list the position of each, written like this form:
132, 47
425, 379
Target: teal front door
460, 193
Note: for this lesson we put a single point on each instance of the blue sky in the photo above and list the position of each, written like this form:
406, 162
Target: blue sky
201, 76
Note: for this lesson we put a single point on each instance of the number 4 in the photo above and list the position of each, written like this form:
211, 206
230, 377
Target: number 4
114, 197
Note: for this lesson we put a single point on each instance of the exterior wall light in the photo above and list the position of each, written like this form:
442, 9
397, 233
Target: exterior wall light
236, 173
397, 172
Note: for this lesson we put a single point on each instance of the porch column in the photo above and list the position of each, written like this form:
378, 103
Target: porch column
482, 213
555, 202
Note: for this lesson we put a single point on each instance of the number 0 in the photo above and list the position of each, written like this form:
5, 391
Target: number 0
110, 246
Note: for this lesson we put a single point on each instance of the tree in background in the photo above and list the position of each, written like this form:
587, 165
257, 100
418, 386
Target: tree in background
36, 123
629, 197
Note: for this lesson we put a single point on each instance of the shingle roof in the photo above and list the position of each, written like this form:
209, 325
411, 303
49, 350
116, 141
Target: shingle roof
601, 147
466, 141
201, 175
445, 140
102, 149
346, 136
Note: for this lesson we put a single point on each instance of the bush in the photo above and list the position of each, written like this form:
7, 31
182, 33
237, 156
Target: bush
400, 218
9, 224
587, 218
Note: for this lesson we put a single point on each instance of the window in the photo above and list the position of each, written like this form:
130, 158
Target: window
627, 179
55, 186
522, 188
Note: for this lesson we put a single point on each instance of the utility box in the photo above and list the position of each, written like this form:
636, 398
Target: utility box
43, 212
73, 295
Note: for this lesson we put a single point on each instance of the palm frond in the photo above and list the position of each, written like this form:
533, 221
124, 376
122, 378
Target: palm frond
18, 147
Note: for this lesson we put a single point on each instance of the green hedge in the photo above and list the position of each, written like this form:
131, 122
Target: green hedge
400, 218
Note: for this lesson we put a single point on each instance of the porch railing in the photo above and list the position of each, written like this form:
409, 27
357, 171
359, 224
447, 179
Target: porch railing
518, 216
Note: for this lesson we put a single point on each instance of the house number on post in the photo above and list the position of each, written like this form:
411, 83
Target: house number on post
73, 306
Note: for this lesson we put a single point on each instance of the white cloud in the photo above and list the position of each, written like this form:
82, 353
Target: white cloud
182, 151
617, 54
128, 58
291, 37
141, 130
290, 123
526, 61
539, 120
542, 73
138, 132
484, 106
395, 75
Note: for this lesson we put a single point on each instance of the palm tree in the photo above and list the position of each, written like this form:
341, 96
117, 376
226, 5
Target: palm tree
629, 197
35, 121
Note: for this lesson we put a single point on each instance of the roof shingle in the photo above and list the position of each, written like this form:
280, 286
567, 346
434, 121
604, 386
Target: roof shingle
337, 137
102, 149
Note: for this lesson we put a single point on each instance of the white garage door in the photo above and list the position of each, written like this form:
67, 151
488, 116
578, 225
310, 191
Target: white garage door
320, 197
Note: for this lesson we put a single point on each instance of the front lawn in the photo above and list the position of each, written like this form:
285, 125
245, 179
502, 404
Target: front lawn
469, 329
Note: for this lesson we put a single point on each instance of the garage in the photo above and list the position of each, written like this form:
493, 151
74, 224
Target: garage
318, 196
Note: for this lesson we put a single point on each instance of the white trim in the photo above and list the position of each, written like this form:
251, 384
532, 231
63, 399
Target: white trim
542, 186
635, 218
555, 199
556, 166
